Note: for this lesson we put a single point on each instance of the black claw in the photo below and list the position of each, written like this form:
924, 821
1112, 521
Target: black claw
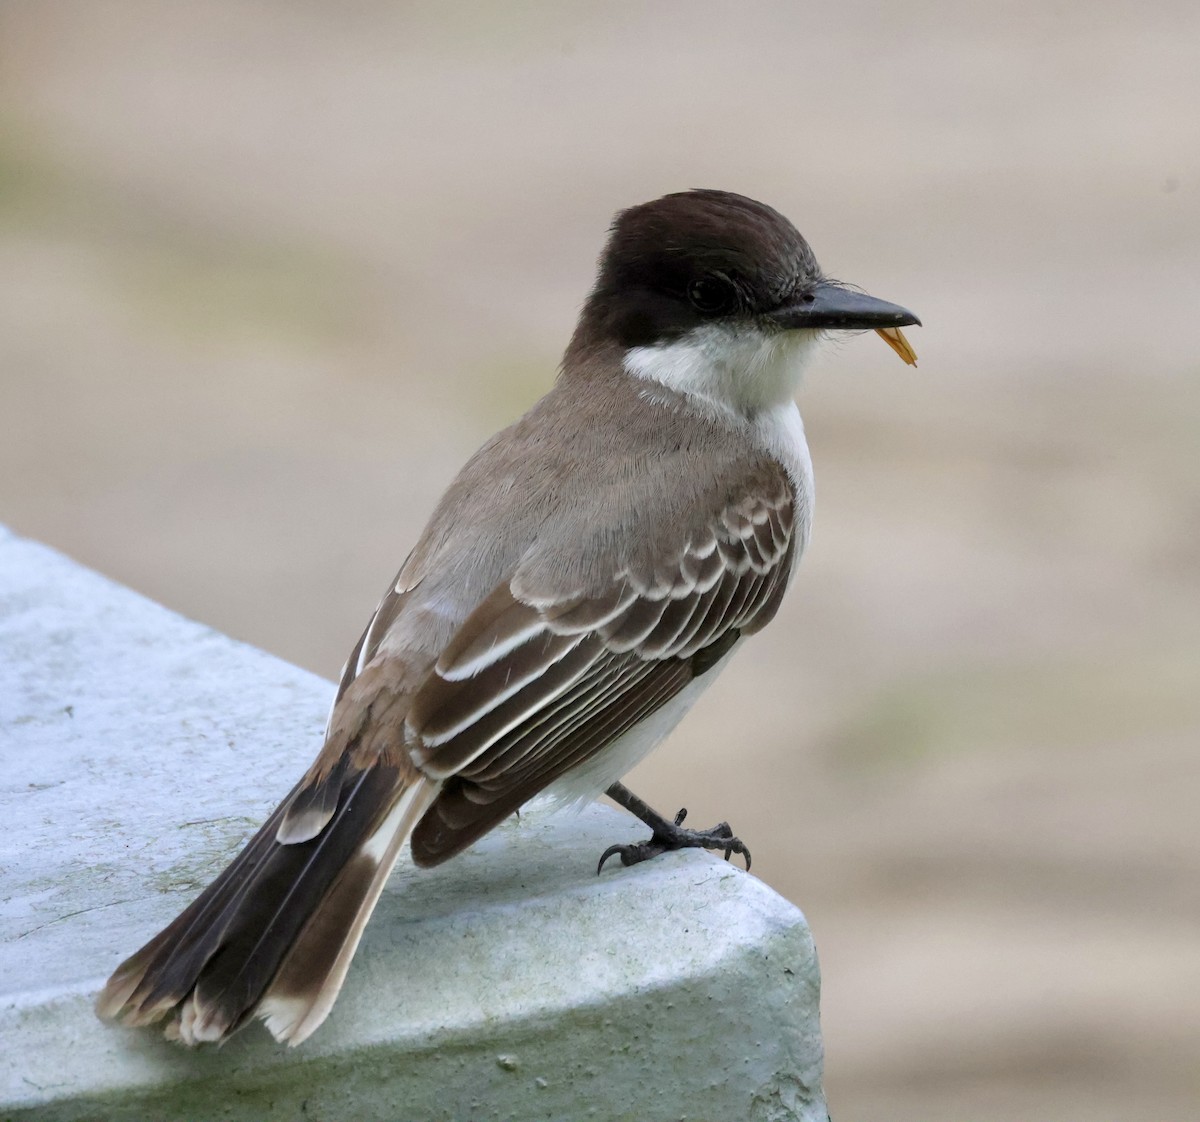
634, 854
606, 855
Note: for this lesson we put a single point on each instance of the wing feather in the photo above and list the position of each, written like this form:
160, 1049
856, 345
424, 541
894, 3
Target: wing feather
534, 685
629, 631
572, 706
483, 721
446, 707
704, 625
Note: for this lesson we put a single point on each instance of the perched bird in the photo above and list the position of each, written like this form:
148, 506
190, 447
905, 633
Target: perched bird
584, 578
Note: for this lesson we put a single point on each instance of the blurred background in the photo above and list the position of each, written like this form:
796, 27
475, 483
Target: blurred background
269, 272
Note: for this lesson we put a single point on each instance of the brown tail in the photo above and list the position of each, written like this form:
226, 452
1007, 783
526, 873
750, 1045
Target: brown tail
273, 935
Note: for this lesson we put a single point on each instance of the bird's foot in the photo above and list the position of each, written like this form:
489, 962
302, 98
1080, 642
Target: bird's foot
672, 835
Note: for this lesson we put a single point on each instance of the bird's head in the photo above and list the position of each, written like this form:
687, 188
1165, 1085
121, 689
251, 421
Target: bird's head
713, 293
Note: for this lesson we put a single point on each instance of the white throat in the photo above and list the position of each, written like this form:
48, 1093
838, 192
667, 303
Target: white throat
743, 368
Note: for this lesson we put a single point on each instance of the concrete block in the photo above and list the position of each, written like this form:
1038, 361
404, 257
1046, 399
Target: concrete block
138, 750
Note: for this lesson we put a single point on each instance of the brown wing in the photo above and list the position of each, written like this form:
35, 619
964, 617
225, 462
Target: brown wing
531, 686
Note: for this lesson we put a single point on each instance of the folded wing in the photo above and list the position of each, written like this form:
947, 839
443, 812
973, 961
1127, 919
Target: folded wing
534, 685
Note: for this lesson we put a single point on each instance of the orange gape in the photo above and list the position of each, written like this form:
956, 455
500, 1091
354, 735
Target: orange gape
894, 338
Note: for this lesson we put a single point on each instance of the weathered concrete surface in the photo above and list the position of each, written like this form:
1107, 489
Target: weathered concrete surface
138, 749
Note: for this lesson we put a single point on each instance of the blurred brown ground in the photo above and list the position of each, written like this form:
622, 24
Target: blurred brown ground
269, 272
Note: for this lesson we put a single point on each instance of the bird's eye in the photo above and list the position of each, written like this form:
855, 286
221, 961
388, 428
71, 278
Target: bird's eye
712, 296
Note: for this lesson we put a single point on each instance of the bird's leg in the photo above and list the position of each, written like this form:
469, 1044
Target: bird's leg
666, 835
